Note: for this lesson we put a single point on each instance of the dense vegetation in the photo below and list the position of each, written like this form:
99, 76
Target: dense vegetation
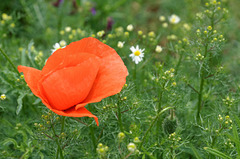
181, 98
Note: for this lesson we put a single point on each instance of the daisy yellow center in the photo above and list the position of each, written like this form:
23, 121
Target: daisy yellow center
173, 20
137, 53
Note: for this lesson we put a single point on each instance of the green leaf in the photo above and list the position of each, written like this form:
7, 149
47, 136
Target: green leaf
236, 137
217, 153
30, 58
10, 140
148, 153
196, 153
19, 101
237, 120
24, 135
23, 57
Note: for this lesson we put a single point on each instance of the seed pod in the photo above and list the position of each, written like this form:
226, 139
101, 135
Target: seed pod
169, 125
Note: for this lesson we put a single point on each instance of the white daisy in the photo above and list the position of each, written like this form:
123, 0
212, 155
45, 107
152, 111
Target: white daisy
3, 97
59, 45
130, 27
120, 44
158, 49
131, 147
68, 29
137, 54
62, 43
162, 18
174, 19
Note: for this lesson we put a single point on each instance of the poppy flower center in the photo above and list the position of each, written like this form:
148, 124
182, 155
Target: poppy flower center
137, 53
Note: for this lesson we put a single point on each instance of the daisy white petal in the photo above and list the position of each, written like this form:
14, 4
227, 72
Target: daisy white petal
137, 54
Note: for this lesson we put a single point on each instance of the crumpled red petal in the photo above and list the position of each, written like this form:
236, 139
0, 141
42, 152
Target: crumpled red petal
69, 86
72, 112
86, 45
109, 81
32, 76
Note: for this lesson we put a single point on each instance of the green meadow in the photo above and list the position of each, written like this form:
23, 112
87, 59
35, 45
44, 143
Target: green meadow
170, 90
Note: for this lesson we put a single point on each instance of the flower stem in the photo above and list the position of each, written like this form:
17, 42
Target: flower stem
8, 59
199, 104
150, 127
159, 107
179, 62
172, 113
135, 76
62, 122
93, 138
59, 149
119, 115
92, 133
128, 155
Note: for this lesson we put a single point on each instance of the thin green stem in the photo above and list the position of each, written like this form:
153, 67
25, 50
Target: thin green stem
59, 149
92, 134
172, 153
128, 155
150, 127
93, 138
215, 137
159, 107
179, 62
119, 115
63, 122
57, 153
135, 76
202, 74
171, 113
8, 59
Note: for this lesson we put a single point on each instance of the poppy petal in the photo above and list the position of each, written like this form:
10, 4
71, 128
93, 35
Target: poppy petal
32, 77
54, 61
72, 112
69, 86
92, 46
88, 45
109, 81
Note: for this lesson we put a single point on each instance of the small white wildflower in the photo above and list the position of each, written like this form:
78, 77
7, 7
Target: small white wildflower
121, 136
68, 29
3, 97
120, 44
158, 49
136, 140
130, 27
165, 25
174, 19
137, 54
162, 18
131, 147
62, 43
57, 46
100, 33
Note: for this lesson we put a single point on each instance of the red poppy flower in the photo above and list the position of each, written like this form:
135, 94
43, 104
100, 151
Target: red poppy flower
83, 72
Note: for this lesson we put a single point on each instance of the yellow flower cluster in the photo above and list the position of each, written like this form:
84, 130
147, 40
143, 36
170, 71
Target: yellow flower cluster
102, 150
